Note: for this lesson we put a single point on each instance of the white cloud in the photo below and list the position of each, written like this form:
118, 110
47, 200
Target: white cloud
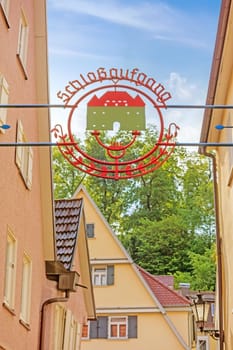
180, 88
188, 119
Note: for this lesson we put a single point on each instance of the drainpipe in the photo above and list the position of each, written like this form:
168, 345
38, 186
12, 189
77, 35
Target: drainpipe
218, 246
45, 303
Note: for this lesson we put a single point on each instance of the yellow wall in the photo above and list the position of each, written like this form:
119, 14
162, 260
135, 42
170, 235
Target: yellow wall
127, 291
129, 295
153, 333
224, 157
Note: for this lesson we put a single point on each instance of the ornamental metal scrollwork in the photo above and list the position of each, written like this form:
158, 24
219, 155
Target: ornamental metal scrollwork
120, 98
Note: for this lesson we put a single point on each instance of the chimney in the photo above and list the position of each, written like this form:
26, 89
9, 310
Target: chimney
184, 289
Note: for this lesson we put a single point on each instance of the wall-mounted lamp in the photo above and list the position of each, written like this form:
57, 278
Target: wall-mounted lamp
201, 313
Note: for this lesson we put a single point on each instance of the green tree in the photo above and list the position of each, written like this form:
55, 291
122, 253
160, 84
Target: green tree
66, 178
165, 218
202, 275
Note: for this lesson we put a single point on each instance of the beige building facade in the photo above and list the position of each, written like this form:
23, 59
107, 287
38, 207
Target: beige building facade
135, 310
217, 134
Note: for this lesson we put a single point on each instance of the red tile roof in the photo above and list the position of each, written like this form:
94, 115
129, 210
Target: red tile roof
67, 217
168, 280
165, 295
116, 98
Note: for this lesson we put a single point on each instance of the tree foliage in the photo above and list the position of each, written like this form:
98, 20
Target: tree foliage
165, 219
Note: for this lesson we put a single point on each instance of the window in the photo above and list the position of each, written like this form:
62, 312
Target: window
90, 230
229, 154
100, 276
26, 290
10, 271
67, 330
103, 275
24, 157
212, 308
202, 343
59, 326
23, 42
4, 93
69, 334
113, 327
118, 327
4, 4
85, 330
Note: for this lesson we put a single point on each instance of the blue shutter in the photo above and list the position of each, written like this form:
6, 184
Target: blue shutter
103, 327
110, 275
132, 327
90, 228
93, 329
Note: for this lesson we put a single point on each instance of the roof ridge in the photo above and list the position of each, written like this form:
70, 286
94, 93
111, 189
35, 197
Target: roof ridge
68, 199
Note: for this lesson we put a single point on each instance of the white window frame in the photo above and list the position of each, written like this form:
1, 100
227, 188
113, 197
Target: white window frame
10, 270
24, 157
118, 321
5, 5
88, 331
4, 96
26, 290
99, 275
22, 49
200, 340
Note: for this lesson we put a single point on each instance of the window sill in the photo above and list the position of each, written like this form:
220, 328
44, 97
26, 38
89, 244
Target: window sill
25, 324
100, 285
5, 16
22, 66
8, 308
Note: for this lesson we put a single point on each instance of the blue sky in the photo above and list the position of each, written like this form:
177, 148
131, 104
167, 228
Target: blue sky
172, 41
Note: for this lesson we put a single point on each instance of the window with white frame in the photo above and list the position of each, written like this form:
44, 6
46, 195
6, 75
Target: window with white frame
4, 94
86, 330
103, 275
100, 276
5, 4
10, 270
67, 332
113, 327
26, 289
202, 343
118, 327
24, 157
23, 41
59, 327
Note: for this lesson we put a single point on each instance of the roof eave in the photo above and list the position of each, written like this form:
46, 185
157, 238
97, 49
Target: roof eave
215, 68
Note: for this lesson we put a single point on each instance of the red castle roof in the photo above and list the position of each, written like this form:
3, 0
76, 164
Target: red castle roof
116, 99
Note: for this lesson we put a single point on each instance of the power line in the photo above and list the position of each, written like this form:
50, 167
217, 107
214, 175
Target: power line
172, 144
180, 106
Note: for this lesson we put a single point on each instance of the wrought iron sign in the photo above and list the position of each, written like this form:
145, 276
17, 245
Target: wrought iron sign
110, 97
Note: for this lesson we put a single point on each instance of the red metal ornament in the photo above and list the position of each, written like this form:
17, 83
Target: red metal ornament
114, 103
